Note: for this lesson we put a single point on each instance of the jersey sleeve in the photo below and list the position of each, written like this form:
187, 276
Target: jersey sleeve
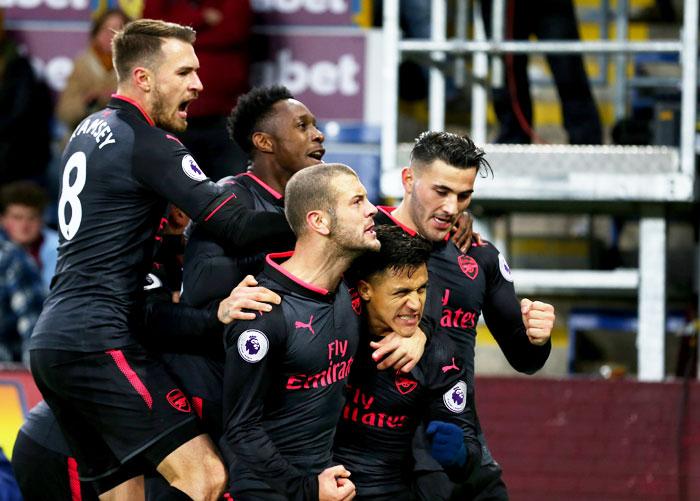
212, 269
208, 274
502, 315
164, 165
448, 401
253, 350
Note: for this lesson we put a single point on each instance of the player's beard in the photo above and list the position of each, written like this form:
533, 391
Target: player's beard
161, 117
421, 218
349, 242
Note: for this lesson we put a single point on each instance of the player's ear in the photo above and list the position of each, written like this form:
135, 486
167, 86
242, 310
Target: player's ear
262, 141
142, 78
364, 289
407, 179
319, 221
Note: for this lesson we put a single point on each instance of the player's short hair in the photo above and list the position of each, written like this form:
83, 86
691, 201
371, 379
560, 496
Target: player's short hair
312, 189
453, 149
26, 193
251, 112
399, 252
139, 44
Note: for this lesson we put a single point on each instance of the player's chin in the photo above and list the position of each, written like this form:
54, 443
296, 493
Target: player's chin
372, 243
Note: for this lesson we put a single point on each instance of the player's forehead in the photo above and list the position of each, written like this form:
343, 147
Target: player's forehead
177, 54
291, 110
440, 173
348, 187
406, 277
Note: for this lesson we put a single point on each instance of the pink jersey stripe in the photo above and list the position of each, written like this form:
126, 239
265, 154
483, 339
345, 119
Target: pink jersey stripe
387, 211
131, 101
133, 378
197, 404
233, 195
269, 188
269, 258
173, 138
74, 480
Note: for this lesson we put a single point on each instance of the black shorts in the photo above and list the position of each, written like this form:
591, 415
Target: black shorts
44, 474
202, 379
118, 407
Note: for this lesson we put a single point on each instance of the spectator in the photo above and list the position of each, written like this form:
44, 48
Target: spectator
552, 20
223, 30
25, 117
21, 299
22, 205
93, 79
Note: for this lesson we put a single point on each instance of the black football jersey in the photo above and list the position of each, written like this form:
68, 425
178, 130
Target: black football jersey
212, 269
119, 170
384, 408
283, 385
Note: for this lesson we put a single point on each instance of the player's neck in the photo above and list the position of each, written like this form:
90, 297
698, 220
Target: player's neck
137, 97
315, 263
275, 178
403, 216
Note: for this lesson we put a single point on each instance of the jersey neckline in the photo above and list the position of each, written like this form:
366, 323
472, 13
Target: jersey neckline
274, 269
135, 105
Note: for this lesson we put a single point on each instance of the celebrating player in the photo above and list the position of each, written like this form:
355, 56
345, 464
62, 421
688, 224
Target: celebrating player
384, 408
438, 186
121, 165
286, 370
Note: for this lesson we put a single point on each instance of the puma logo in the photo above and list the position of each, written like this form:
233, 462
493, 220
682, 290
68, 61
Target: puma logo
448, 368
299, 325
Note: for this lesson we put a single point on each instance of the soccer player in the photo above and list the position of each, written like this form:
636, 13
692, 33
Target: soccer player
279, 134
286, 370
438, 186
120, 167
42, 461
384, 408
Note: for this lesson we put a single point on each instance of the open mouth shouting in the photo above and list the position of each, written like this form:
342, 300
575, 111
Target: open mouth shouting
182, 109
318, 154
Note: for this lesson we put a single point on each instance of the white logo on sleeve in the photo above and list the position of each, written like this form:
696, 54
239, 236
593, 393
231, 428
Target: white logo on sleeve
253, 345
152, 282
190, 167
505, 269
456, 397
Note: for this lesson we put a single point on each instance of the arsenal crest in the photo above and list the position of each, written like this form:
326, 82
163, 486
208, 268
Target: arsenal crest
178, 400
404, 384
355, 299
468, 266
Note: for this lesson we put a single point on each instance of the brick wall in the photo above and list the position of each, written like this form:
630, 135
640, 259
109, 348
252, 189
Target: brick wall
578, 440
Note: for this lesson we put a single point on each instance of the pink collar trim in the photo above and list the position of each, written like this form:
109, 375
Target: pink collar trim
137, 105
270, 257
387, 210
269, 188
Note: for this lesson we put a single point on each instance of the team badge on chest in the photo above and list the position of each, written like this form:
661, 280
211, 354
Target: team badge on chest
468, 266
404, 384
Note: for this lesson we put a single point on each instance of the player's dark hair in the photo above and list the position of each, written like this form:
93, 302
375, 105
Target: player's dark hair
453, 149
25, 193
140, 42
312, 189
251, 111
399, 251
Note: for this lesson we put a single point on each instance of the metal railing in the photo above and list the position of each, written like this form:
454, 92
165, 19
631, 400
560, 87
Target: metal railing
653, 176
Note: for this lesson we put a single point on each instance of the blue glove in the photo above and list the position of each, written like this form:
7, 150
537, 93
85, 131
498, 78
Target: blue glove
446, 443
